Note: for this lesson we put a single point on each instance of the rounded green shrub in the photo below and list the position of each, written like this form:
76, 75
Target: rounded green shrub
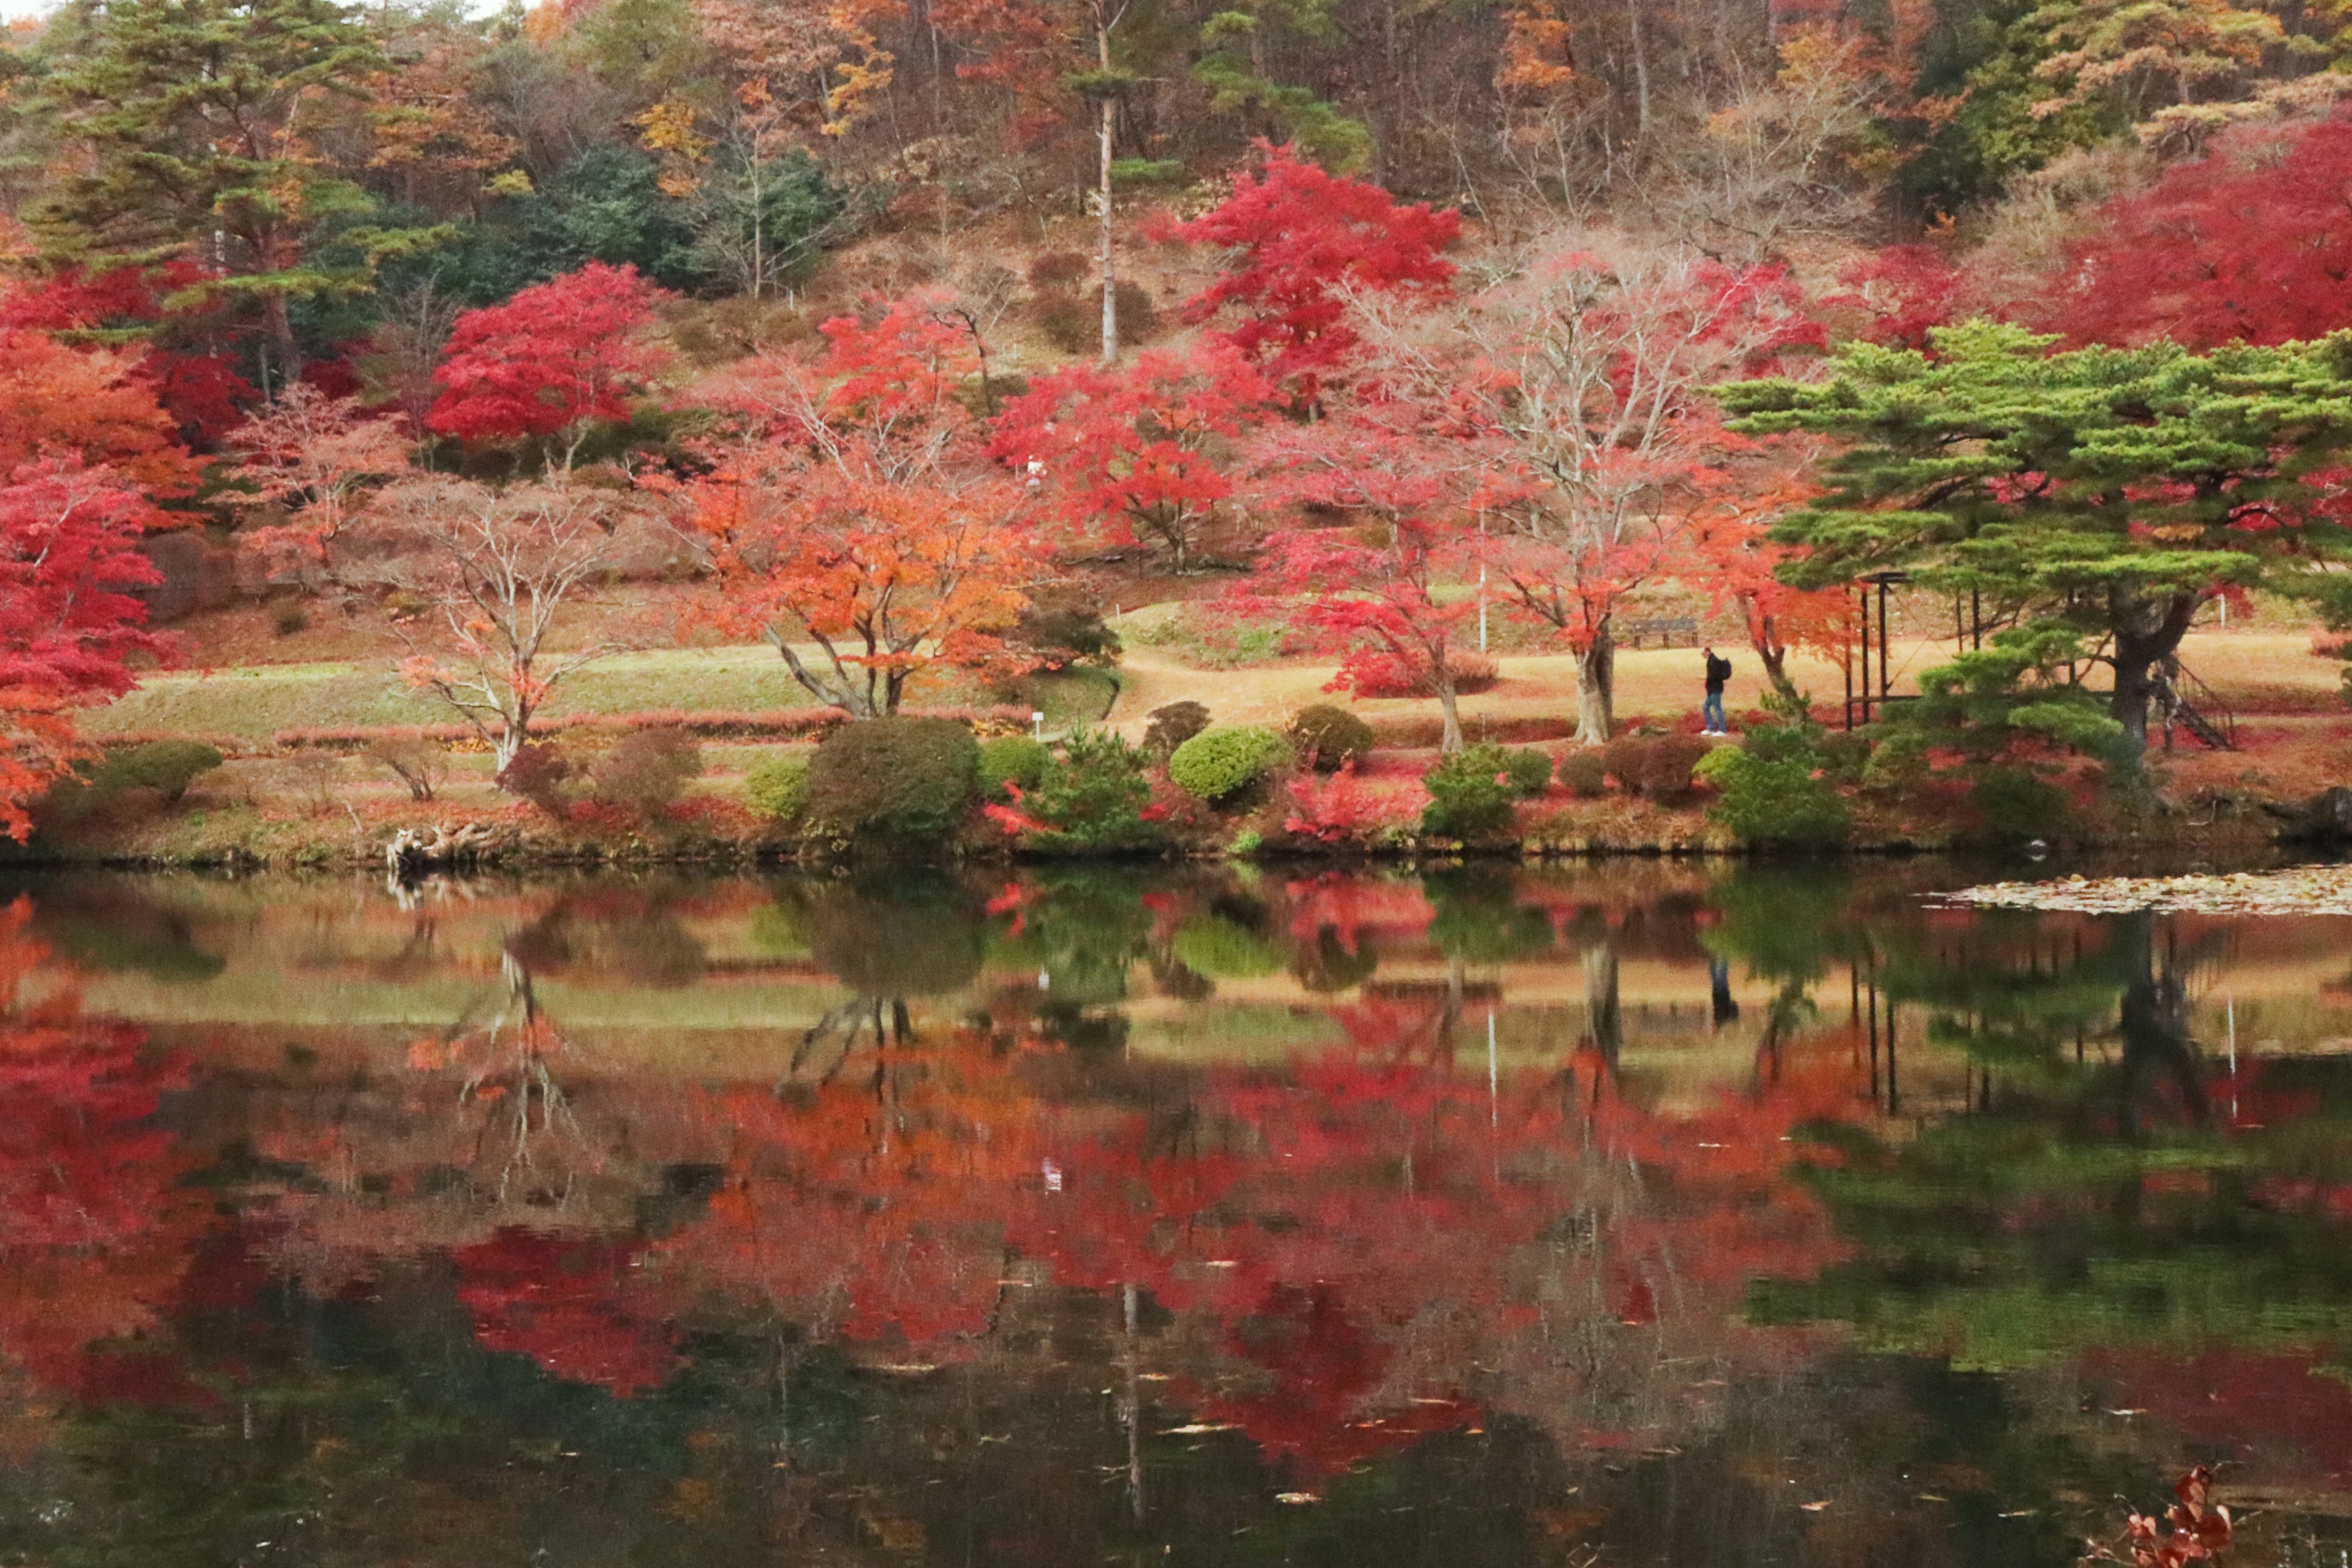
167, 767
1470, 793
898, 777
1012, 759
778, 788
1327, 738
1775, 800
1529, 770
1217, 763
1584, 774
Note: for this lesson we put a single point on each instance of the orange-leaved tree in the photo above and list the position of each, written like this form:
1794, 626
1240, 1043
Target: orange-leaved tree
97, 405
853, 517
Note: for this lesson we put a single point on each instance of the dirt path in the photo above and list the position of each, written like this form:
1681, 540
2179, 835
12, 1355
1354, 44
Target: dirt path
2248, 668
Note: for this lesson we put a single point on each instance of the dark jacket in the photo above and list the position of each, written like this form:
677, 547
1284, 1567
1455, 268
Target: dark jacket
1718, 671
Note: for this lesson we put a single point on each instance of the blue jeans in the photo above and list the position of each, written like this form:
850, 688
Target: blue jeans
1711, 712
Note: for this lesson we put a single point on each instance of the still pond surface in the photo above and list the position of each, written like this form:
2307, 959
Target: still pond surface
1637, 1214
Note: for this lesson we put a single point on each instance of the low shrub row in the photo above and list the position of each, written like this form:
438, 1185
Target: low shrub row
714, 723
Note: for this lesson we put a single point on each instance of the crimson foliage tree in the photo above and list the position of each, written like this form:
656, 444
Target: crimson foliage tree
1302, 240
1130, 454
552, 362
2252, 242
68, 626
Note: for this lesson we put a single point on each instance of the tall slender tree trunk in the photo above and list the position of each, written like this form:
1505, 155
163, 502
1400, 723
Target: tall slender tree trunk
1596, 691
1105, 113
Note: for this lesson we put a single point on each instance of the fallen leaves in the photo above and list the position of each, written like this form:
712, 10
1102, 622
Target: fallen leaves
2296, 890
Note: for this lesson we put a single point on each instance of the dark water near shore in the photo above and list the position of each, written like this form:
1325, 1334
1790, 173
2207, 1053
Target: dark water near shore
1644, 1214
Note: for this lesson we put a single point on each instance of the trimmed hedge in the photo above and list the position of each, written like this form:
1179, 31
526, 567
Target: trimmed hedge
1470, 793
1327, 737
1529, 770
167, 767
903, 778
1170, 727
778, 788
1218, 763
717, 723
1584, 774
1012, 759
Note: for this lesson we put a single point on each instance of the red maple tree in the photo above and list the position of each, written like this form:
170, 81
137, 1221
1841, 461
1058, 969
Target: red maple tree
552, 360
2252, 242
1131, 453
851, 506
1302, 240
68, 626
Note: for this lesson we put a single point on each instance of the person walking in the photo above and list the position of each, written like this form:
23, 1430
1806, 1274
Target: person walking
1718, 671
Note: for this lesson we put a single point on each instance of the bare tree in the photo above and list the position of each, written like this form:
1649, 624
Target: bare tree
500, 567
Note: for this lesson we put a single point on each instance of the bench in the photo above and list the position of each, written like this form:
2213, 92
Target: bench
1665, 628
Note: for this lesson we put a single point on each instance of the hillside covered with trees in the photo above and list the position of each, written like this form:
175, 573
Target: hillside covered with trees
469, 401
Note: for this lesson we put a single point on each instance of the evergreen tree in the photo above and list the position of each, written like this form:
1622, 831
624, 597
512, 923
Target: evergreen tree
192, 121
2102, 492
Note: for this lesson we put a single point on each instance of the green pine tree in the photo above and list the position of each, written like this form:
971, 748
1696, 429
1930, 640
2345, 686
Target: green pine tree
2103, 493
194, 123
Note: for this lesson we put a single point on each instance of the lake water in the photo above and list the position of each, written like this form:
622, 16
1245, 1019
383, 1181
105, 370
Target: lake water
1645, 1212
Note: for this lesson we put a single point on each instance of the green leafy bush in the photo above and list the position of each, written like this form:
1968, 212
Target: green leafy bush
1470, 793
167, 767
646, 771
1012, 759
778, 788
1093, 798
899, 778
1774, 799
1327, 737
1584, 774
1530, 770
1216, 765
2013, 803
1172, 726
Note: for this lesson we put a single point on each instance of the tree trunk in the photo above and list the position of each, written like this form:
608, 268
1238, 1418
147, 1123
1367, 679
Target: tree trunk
1596, 691
1448, 704
1775, 660
1109, 270
2147, 632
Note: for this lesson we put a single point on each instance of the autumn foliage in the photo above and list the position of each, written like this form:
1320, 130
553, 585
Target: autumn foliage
554, 358
1300, 238
69, 623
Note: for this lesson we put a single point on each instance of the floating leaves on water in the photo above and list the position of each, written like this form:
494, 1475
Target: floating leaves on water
2296, 890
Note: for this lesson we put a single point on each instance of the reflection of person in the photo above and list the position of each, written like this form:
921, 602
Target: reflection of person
1718, 671
1718, 980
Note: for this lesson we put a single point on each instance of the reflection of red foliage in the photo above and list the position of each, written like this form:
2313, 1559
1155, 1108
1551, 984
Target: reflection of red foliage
567, 1302
877, 1217
2275, 1406
88, 1214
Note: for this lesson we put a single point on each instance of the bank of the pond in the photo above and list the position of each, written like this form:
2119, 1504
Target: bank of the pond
335, 834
